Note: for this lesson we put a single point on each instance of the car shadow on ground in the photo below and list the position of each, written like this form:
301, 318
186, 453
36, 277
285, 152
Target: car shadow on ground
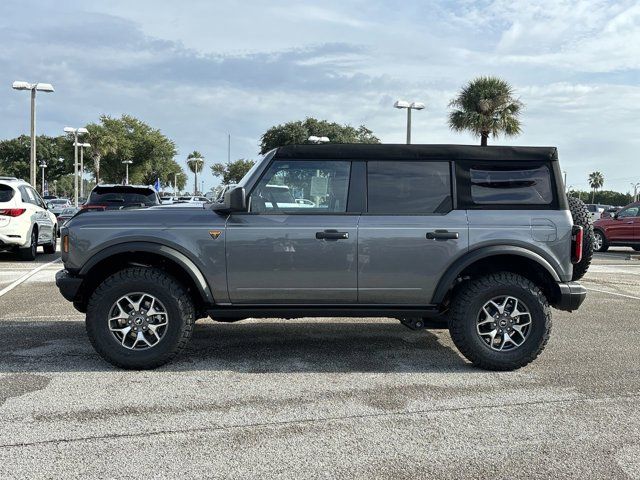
269, 347
8, 256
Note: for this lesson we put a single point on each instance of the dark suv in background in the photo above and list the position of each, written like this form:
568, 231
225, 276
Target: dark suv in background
482, 239
121, 197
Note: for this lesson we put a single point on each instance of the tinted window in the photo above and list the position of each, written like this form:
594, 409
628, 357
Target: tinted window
504, 185
6, 193
628, 212
123, 196
59, 201
27, 195
408, 187
303, 187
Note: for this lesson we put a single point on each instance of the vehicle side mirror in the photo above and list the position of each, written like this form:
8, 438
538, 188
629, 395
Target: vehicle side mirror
235, 200
614, 215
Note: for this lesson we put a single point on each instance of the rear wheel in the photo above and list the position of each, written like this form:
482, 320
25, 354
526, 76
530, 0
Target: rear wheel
500, 322
580, 215
29, 253
140, 318
600, 243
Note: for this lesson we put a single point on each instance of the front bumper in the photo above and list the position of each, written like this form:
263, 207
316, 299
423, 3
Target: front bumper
68, 285
572, 294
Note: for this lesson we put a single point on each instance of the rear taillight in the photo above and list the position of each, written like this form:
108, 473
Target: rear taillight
12, 212
577, 238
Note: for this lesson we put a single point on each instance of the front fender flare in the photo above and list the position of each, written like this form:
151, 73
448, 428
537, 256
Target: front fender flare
159, 249
447, 280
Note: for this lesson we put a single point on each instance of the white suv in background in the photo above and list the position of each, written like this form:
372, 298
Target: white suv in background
25, 221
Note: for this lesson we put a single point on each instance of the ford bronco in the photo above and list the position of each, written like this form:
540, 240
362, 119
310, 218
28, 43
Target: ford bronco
482, 240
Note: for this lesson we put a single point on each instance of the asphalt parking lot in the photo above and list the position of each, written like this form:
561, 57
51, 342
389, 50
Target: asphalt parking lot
331, 398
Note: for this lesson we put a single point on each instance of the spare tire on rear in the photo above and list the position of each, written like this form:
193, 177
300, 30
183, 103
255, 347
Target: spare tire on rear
581, 217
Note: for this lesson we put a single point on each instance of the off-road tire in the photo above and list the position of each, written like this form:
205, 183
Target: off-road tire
51, 248
604, 246
466, 306
29, 253
581, 217
156, 282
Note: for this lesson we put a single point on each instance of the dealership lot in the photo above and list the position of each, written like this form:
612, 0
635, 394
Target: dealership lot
334, 398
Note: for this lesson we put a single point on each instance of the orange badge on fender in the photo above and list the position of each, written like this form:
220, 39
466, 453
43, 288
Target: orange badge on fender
215, 233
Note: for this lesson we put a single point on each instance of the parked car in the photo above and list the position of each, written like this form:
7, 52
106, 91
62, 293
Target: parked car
167, 200
595, 211
67, 214
483, 239
120, 197
57, 205
25, 221
49, 197
620, 230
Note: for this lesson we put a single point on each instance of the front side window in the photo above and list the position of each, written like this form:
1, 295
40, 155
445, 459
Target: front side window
628, 212
306, 187
511, 185
408, 187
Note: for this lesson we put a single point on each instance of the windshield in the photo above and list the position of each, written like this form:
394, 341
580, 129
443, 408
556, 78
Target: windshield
252, 170
59, 201
69, 211
123, 195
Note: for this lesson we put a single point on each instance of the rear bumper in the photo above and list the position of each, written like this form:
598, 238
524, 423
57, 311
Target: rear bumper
68, 285
572, 294
12, 239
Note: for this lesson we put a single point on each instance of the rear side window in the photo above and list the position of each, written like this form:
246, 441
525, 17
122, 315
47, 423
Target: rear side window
397, 187
504, 185
6, 193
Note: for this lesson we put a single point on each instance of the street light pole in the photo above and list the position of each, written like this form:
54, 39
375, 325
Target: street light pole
75, 132
82, 147
33, 87
126, 178
635, 190
43, 166
400, 104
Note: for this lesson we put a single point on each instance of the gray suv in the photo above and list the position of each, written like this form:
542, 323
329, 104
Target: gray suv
478, 239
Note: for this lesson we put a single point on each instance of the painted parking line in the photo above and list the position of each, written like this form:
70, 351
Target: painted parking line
612, 293
26, 276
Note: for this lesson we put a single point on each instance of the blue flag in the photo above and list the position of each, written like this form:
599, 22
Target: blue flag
157, 185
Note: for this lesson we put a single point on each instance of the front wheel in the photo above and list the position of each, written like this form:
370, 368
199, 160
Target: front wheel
500, 322
600, 243
140, 318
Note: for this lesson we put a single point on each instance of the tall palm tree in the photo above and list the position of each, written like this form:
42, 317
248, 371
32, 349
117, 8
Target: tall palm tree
195, 162
486, 106
596, 181
102, 144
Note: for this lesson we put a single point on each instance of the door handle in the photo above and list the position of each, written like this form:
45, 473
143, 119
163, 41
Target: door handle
442, 235
332, 235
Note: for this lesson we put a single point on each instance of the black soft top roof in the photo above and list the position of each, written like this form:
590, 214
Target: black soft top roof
361, 151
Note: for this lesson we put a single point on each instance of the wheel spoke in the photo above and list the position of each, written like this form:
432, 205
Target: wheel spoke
150, 321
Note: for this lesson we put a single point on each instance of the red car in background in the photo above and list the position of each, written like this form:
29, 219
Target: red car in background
620, 230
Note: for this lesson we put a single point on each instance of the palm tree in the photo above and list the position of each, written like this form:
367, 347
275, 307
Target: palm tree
596, 181
486, 106
195, 162
102, 144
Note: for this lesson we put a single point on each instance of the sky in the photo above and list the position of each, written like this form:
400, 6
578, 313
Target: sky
200, 70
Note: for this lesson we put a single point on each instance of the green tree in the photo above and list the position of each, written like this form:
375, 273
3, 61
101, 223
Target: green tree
195, 162
295, 133
596, 181
486, 106
127, 138
605, 197
232, 172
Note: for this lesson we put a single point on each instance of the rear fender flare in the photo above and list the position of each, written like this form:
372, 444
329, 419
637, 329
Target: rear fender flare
448, 279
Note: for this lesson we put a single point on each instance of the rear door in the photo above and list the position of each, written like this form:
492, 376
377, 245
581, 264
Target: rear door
42, 215
298, 242
410, 232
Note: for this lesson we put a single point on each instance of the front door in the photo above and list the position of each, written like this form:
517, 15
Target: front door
298, 242
410, 232
625, 227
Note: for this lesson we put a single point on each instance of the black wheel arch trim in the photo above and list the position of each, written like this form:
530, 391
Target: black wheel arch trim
448, 279
159, 249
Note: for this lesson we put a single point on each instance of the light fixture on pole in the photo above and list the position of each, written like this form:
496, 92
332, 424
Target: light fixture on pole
315, 139
127, 163
43, 165
33, 87
409, 106
635, 190
75, 132
82, 147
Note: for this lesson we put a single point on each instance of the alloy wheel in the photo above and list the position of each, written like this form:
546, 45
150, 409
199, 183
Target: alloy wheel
504, 323
138, 321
